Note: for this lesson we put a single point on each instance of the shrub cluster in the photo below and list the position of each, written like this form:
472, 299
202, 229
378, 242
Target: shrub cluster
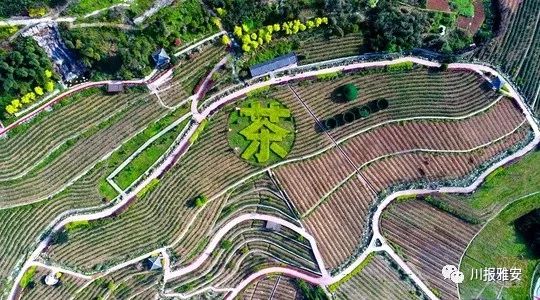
355, 113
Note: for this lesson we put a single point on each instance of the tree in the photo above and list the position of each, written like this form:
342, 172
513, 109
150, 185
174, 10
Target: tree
59, 237
528, 226
225, 244
10, 109
49, 86
363, 111
200, 201
391, 29
38, 90
225, 40
349, 92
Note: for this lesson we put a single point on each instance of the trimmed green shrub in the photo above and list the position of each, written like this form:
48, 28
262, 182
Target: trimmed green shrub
382, 104
364, 111
349, 117
330, 123
349, 92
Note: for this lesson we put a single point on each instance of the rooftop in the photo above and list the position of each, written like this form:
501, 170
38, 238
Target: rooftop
273, 64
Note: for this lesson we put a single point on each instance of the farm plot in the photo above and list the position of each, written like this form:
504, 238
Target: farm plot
339, 222
271, 287
438, 168
98, 142
280, 245
376, 278
257, 196
55, 130
121, 284
420, 92
427, 239
167, 209
504, 185
189, 72
516, 49
64, 289
349, 202
24, 224
499, 120
321, 48
309, 180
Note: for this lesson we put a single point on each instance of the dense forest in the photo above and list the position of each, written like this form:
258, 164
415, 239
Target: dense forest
24, 7
116, 53
23, 66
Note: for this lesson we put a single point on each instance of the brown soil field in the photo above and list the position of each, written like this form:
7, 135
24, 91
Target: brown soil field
427, 239
377, 280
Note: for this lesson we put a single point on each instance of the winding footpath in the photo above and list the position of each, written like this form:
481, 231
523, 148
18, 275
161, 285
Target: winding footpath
326, 278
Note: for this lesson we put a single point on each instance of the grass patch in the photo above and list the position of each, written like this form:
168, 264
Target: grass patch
508, 183
83, 7
142, 162
148, 188
334, 287
77, 225
28, 277
463, 7
499, 245
198, 131
106, 190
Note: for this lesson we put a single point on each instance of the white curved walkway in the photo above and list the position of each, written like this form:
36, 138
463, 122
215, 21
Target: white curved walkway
325, 279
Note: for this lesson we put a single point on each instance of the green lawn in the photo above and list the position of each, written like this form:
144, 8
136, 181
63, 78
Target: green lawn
512, 182
463, 7
142, 162
83, 7
497, 245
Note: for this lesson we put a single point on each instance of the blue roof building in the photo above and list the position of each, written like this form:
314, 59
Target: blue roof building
497, 83
161, 58
273, 64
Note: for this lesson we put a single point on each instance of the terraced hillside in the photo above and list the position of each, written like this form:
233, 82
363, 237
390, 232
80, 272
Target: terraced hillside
516, 49
377, 278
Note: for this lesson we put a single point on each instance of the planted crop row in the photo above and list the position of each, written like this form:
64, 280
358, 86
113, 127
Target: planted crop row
237, 244
330, 221
260, 195
24, 224
82, 155
270, 287
307, 181
477, 130
167, 209
409, 94
64, 289
436, 167
70, 118
115, 284
339, 222
320, 49
378, 279
516, 49
427, 239
189, 72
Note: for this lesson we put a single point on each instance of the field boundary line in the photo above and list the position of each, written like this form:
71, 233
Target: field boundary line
488, 221
322, 150
139, 150
415, 150
183, 146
